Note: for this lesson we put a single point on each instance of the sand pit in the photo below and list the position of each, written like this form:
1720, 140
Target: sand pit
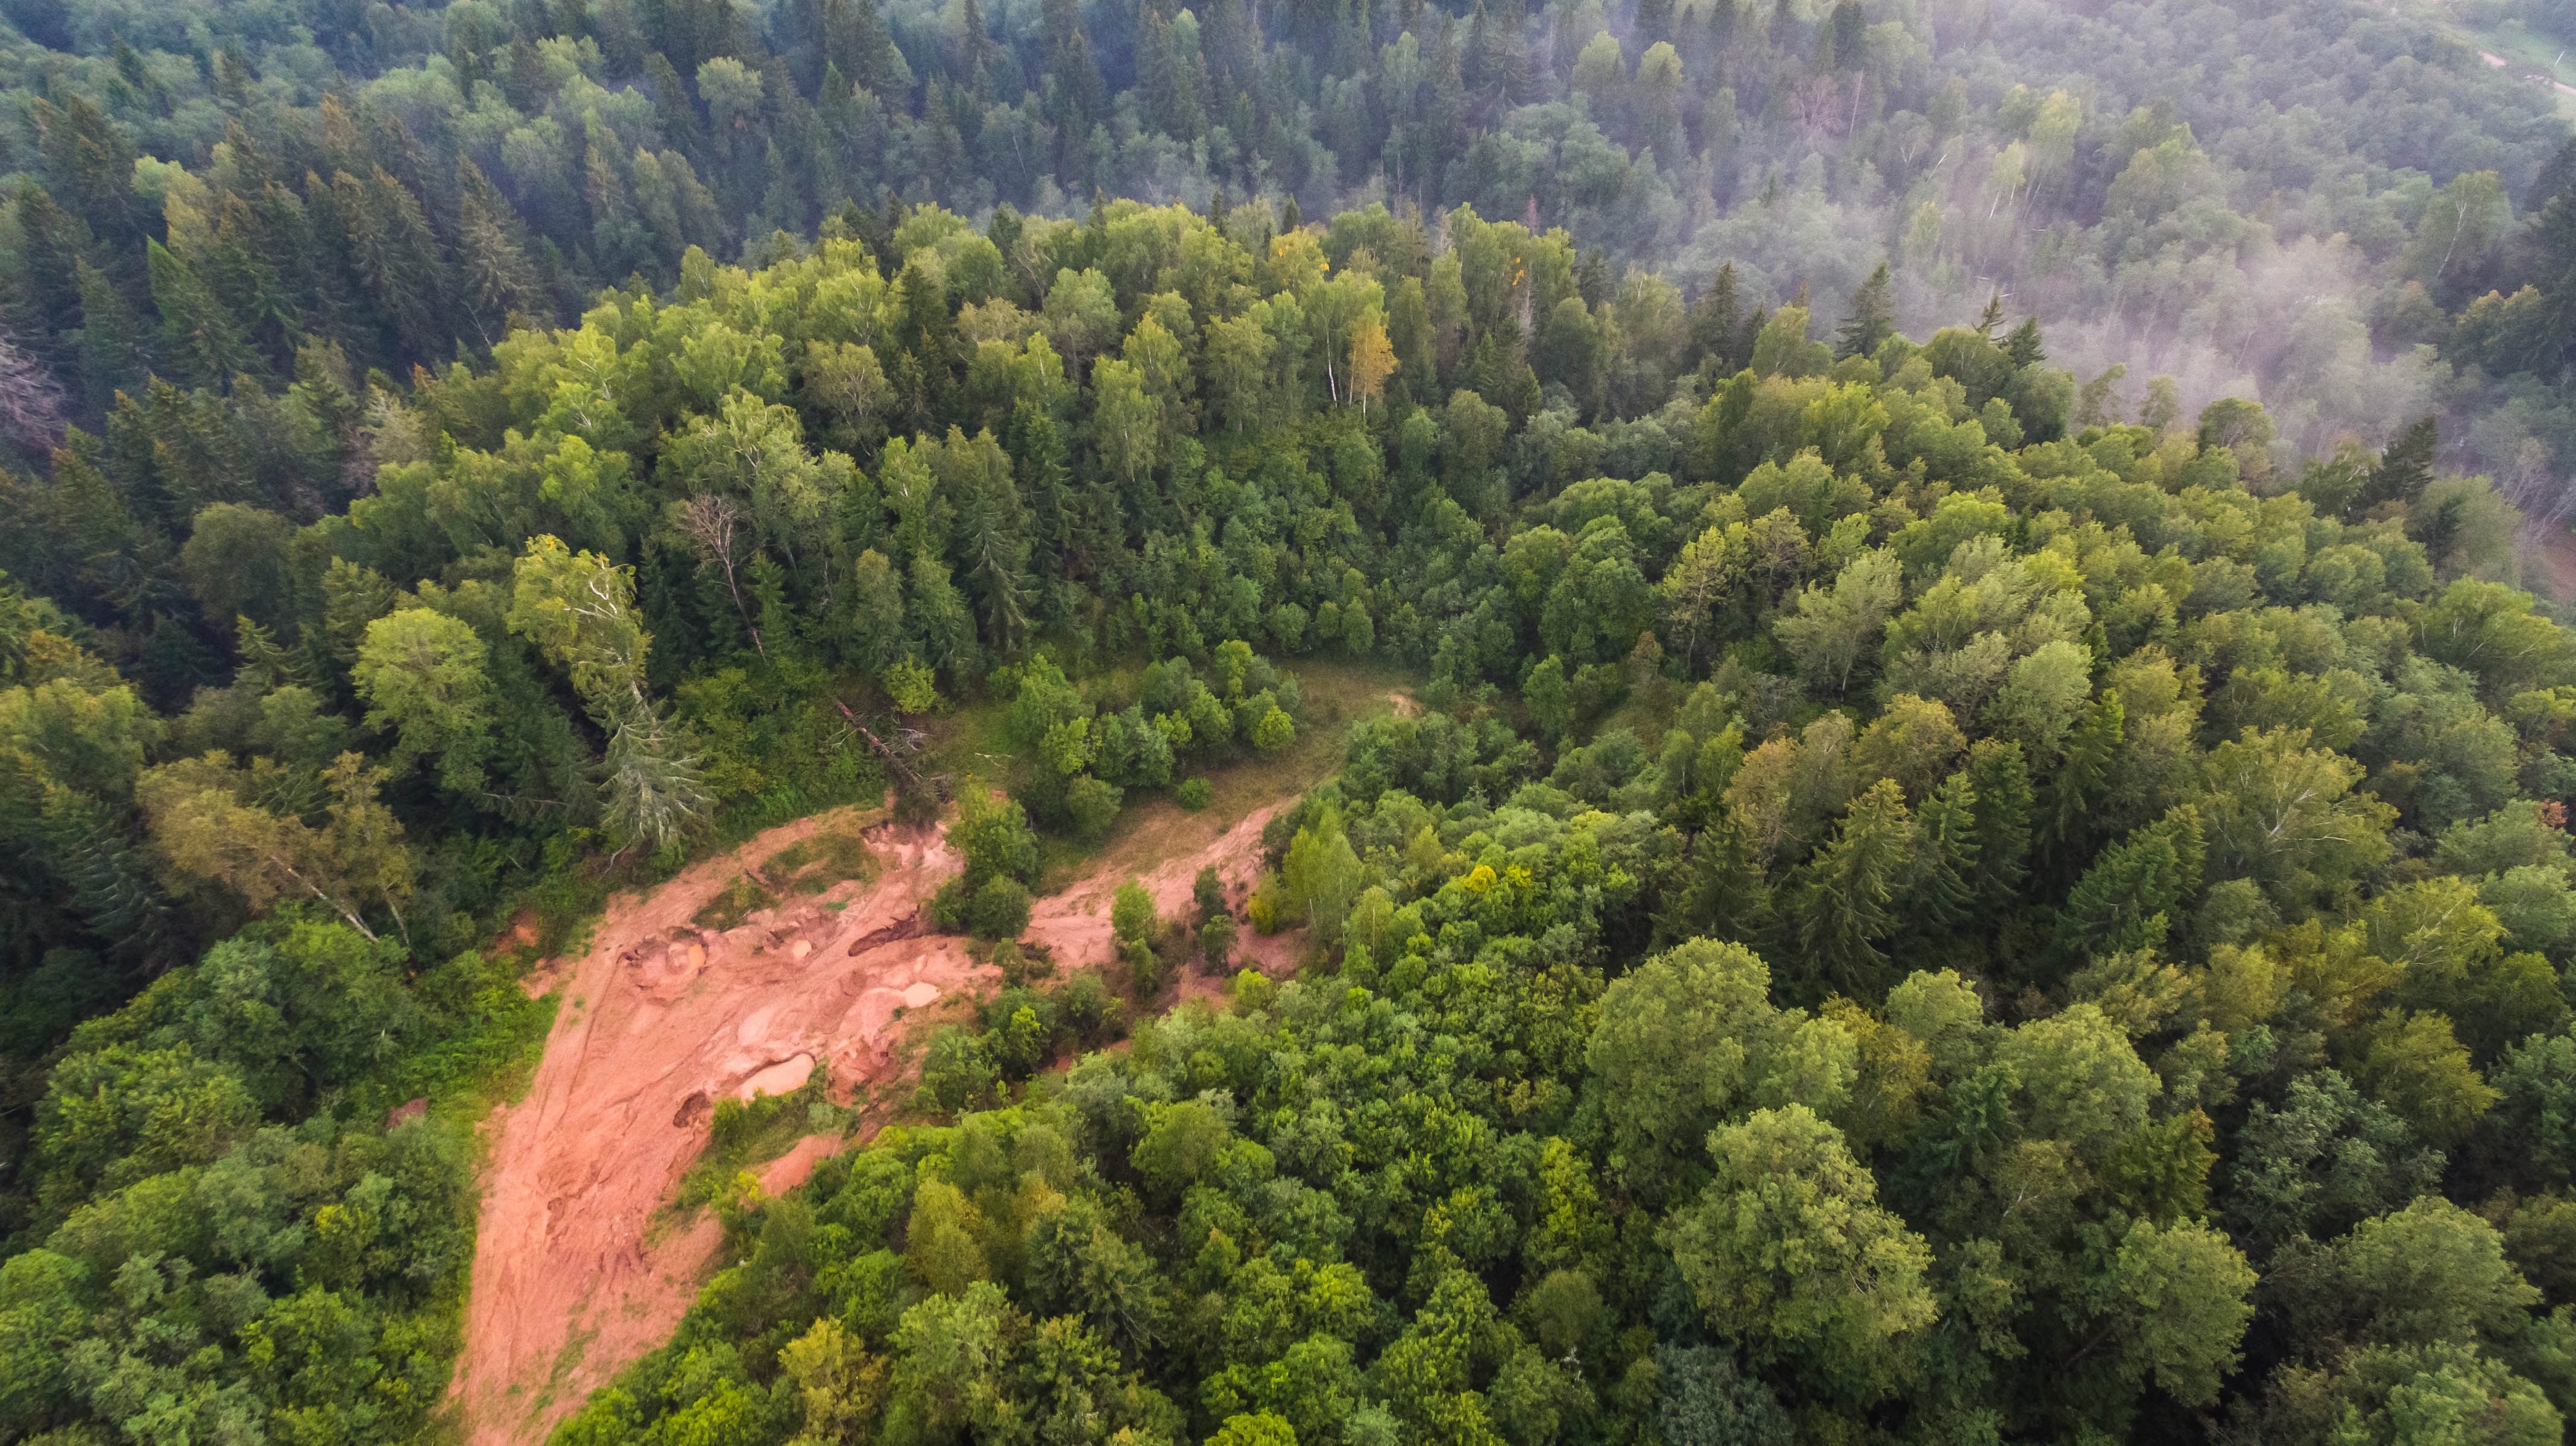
660, 1018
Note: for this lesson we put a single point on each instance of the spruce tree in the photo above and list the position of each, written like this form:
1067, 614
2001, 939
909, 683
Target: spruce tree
112, 336
2001, 777
1843, 901
2403, 469
1713, 322
1991, 317
2129, 897
199, 337
1654, 22
1871, 320
2023, 346
1944, 888
2092, 746
491, 261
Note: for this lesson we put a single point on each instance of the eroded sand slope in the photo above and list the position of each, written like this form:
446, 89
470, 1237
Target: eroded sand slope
661, 1018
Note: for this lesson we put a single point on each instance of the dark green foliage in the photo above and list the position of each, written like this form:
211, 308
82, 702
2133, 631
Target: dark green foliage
191, 1192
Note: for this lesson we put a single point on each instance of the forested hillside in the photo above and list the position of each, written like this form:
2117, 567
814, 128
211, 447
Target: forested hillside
1942, 890
2162, 883
1911, 921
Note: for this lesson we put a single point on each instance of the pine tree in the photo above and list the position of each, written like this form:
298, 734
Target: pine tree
1353, 50
1654, 22
2023, 346
650, 789
1713, 322
88, 164
1724, 896
199, 336
2126, 900
1849, 29
672, 104
1167, 79
864, 50
992, 534
1944, 888
396, 257
111, 885
1038, 451
1495, 69
257, 655
2092, 745
2403, 469
491, 262
1991, 317
2001, 778
1871, 320
44, 294
1844, 899
1080, 98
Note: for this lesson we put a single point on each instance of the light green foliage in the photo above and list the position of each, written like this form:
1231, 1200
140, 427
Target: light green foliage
2182, 1308
1320, 876
1689, 1040
1834, 630
912, 686
424, 677
2080, 1080
2429, 1273
1789, 1252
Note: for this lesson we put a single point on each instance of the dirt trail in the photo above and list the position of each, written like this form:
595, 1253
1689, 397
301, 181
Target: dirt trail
660, 1019
1074, 924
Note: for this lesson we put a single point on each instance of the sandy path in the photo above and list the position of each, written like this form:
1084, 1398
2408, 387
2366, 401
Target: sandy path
1075, 923
660, 1018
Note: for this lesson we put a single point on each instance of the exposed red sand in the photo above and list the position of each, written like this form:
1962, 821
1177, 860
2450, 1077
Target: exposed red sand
660, 1018
1075, 923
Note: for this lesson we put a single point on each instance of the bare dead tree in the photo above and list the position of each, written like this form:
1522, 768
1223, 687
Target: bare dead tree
897, 744
31, 401
712, 521
2531, 485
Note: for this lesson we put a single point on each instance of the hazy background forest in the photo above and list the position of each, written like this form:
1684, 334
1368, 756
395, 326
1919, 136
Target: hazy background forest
2294, 201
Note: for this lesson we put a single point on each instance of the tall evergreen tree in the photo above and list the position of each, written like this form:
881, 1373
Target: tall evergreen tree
1871, 320
200, 337
1715, 323
2404, 468
1844, 900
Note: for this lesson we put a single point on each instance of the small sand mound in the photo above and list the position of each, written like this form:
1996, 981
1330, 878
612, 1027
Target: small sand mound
786, 1075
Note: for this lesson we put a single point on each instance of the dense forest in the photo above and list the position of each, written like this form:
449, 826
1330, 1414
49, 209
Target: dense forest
2334, 208
2165, 879
1990, 888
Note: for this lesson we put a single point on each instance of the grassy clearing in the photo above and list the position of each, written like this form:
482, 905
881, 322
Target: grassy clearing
973, 740
733, 903
815, 864
1154, 826
807, 867
2527, 52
